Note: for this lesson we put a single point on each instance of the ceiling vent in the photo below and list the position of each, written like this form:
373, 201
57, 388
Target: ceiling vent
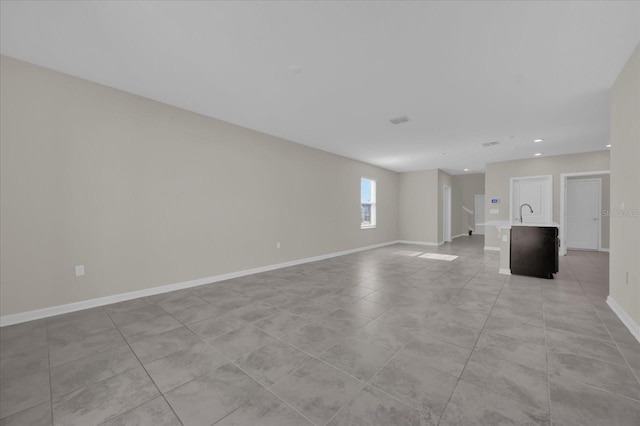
399, 120
491, 143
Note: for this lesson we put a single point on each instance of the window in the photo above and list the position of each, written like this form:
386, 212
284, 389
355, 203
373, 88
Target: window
367, 203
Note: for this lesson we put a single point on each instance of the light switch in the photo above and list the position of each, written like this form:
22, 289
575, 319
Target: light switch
79, 270
504, 238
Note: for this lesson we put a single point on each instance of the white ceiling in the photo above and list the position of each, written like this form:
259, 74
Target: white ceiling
331, 74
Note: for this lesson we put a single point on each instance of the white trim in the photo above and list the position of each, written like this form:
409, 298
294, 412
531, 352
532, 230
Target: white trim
489, 248
563, 181
107, 300
633, 327
467, 210
549, 213
606, 250
505, 271
458, 236
419, 243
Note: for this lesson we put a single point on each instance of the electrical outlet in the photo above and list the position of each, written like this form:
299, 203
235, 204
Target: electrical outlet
494, 211
79, 270
504, 238
278, 245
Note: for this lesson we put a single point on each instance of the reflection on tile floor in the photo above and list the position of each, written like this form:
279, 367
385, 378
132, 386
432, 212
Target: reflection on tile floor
379, 337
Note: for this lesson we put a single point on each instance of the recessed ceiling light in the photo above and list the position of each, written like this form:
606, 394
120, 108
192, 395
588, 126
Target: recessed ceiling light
608, 145
538, 140
466, 170
538, 154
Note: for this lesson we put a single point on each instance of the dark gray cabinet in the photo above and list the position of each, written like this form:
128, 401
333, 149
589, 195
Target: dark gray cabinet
534, 251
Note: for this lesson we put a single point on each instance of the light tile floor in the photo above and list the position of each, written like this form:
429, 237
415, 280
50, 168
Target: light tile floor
381, 337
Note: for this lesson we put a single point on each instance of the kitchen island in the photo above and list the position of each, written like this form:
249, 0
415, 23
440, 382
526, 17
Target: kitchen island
534, 250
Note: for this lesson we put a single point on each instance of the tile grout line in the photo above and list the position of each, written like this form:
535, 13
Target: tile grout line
244, 353
268, 389
94, 354
597, 359
615, 343
368, 383
148, 375
459, 378
546, 358
313, 357
46, 328
233, 361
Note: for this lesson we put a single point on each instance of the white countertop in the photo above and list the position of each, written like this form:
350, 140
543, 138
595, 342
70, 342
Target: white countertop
505, 224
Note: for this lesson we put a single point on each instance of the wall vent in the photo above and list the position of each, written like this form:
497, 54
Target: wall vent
399, 120
491, 143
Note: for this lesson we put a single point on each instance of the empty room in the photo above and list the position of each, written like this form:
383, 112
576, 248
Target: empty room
299, 213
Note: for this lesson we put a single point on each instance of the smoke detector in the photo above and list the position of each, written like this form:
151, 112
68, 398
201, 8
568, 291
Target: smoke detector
399, 120
491, 143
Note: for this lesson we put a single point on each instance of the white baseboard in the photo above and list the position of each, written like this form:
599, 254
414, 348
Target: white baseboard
419, 243
606, 250
458, 236
107, 300
633, 327
505, 271
489, 248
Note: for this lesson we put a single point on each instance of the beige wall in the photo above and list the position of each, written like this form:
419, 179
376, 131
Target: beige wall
144, 194
625, 188
498, 175
605, 202
419, 206
465, 189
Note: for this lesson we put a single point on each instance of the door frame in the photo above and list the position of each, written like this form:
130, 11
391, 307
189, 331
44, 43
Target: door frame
593, 179
563, 206
549, 212
446, 214
475, 207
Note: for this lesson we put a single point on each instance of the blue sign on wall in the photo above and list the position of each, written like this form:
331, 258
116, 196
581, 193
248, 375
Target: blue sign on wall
495, 201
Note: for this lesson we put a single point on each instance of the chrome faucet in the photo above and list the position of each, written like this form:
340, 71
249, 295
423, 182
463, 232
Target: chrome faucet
530, 210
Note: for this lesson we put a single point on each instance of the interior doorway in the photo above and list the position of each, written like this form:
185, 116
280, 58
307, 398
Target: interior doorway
603, 221
479, 215
582, 213
446, 213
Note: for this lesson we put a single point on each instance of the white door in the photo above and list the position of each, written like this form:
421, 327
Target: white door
536, 191
582, 216
479, 215
446, 220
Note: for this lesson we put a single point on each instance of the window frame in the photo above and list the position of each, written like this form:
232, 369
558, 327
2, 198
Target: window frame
372, 203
